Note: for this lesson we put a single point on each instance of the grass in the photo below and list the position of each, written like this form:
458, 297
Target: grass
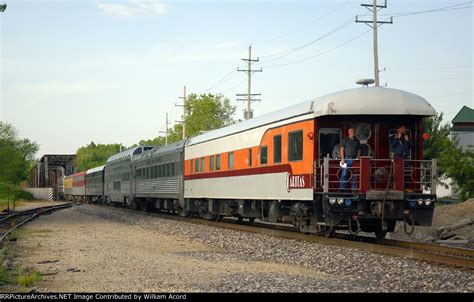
19, 233
4, 204
4, 274
29, 278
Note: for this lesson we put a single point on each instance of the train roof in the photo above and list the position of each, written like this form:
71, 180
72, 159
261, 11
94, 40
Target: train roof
356, 101
128, 153
282, 114
372, 101
96, 169
162, 150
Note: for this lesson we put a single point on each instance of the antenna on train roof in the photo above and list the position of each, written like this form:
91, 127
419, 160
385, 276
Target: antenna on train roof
365, 82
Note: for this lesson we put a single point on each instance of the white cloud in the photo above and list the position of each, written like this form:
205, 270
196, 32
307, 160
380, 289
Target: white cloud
132, 8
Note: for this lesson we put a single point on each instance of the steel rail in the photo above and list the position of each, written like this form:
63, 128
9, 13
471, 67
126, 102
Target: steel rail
31, 213
432, 253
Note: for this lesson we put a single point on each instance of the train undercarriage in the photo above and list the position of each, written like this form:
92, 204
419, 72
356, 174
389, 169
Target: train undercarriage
324, 215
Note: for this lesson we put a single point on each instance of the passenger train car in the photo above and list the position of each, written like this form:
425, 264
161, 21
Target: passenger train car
285, 167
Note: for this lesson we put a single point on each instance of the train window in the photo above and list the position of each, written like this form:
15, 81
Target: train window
263, 155
295, 145
168, 170
250, 157
329, 139
211, 163
277, 149
162, 169
203, 164
172, 170
230, 160
196, 165
363, 132
147, 172
156, 172
116, 185
218, 162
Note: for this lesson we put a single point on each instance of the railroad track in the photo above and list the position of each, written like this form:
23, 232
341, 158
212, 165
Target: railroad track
13, 220
432, 253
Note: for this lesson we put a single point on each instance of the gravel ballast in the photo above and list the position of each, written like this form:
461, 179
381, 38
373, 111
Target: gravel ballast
106, 249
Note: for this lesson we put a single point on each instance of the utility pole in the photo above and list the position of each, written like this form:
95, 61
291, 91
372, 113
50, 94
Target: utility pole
166, 131
184, 112
248, 113
374, 24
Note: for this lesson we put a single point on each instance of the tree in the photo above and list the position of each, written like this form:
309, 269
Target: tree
203, 113
157, 141
93, 155
459, 165
453, 162
16, 155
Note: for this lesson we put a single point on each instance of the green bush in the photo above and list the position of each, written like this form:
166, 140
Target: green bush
16, 193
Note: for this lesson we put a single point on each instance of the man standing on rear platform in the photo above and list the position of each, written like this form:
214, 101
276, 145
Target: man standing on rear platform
350, 150
400, 145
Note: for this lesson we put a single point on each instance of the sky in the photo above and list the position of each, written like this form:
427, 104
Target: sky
78, 71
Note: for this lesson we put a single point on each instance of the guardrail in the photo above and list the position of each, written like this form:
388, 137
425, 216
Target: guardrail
367, 173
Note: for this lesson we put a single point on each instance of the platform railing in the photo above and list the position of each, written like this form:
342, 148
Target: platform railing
332, 176
376, 174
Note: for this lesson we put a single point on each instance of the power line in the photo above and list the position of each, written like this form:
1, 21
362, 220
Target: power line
301, 27
248, 113
321, 53
235, 86
440, 9
222, 80
374, 24
296, 49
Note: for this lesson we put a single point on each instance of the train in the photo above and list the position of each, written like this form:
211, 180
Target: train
284, 167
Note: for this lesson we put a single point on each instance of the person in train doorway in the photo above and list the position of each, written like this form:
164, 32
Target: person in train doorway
400, 144
350, 150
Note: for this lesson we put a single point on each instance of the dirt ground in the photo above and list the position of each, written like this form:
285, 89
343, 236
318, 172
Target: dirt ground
128, 258
445, 215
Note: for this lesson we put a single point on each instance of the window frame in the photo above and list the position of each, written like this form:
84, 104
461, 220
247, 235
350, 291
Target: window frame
250, 157
266, 155
218, 162
229, 156
211, 163
302, 145
280, 149
196, 165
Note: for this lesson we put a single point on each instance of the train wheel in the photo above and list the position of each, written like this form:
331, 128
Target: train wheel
379, 233
329, 231
135, 204
251, 219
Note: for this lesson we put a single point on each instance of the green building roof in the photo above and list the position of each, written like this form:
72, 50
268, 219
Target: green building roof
465, 115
